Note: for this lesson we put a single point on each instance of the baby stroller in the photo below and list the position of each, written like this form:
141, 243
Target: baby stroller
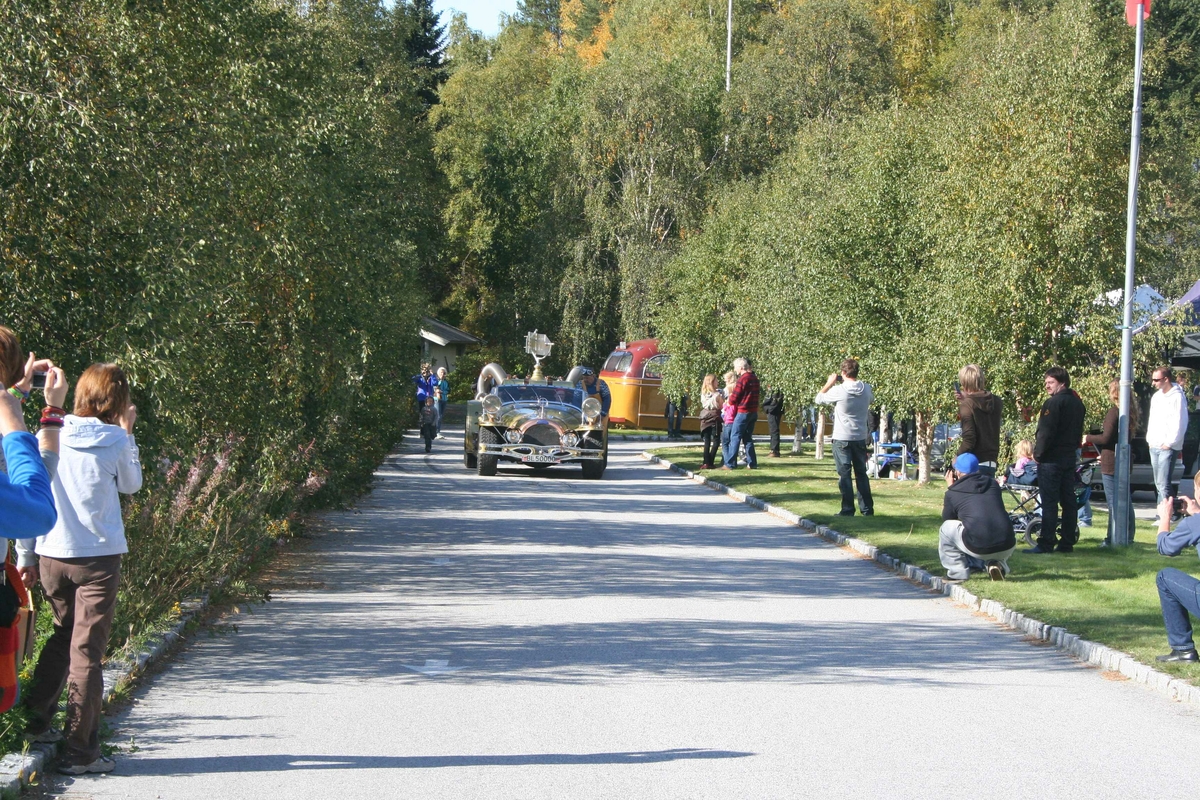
1026, 515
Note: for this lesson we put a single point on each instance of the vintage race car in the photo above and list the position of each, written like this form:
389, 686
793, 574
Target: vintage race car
539, 424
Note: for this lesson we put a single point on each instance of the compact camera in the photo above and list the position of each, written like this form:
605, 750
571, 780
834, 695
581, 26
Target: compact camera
39, 380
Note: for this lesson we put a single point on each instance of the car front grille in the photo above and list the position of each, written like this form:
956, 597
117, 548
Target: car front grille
543, 434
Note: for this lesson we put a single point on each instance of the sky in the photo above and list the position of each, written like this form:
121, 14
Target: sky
482, 15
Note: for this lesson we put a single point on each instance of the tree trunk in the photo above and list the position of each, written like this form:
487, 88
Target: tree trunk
796, 434
924, 445
821, 435
885, 433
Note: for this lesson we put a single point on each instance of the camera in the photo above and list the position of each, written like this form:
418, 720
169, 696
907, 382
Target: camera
1181, 507
39, 380
957, 388
838, 379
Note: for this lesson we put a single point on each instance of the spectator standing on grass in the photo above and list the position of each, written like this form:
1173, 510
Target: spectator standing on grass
980, 413
1059, 432
744, 399
977, 532
1178, 592
443, 398
851, 400
1106, 443
728, 412
772, 406
79, 564
710, 419
1165, 428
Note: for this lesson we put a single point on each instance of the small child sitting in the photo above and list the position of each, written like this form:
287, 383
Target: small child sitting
1024, 472
429, 422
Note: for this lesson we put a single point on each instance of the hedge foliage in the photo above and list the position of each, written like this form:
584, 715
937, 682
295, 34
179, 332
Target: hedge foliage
234, 200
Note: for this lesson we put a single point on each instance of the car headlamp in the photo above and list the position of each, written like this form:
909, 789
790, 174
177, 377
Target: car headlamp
491, 405
512, 436
569, 439
591, 408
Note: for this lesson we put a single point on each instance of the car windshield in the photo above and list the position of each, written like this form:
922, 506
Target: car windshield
532, 394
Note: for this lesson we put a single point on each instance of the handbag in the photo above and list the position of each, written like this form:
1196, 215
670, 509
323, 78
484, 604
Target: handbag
18, 633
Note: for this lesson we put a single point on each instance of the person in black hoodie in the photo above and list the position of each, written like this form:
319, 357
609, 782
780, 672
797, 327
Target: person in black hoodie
1059, 432
976, 533
980, 413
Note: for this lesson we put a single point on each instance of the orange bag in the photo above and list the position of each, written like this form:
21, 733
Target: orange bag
16, 638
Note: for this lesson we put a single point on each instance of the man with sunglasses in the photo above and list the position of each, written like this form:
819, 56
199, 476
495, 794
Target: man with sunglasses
1165, 428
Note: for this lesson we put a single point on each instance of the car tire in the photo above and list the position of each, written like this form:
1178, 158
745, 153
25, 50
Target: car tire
485, 465
469, 460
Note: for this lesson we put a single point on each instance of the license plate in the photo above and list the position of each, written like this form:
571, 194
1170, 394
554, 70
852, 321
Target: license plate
540, 459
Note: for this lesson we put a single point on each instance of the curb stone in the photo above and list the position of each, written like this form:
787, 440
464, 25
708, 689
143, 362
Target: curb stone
1089, 652
19, 769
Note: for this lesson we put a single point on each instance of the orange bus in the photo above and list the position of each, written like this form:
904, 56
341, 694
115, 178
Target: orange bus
633, 373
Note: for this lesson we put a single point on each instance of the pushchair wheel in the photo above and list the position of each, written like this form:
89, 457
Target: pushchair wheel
1033, 529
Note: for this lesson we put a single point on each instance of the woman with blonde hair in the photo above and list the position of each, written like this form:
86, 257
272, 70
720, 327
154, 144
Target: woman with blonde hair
980, 413
79, 562
710, 419
1106, 443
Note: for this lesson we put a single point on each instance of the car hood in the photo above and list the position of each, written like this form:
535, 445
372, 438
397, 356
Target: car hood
517, 415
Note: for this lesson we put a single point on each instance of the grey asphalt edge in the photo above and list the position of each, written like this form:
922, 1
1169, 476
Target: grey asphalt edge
20, 769
1089, 652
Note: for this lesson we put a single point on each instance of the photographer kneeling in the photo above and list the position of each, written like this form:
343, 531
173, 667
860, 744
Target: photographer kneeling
1178, 592
977, 533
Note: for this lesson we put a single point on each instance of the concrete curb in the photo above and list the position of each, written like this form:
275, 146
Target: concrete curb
620, 437
1089, 652
19, 769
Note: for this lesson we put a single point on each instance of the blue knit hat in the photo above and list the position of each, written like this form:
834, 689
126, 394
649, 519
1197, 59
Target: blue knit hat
966, 463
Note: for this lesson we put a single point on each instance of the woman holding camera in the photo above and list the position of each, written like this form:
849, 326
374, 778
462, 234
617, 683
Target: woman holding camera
80, 563
1106, 443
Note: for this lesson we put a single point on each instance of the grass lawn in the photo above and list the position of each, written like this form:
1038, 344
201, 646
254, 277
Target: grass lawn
1102, 595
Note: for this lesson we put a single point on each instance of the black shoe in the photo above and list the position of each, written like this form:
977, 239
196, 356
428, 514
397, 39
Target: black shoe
845, 513
1178, 655
1065, 548
1037, 550
869, 513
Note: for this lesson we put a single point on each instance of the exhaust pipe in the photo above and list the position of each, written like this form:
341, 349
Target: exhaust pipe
490, 376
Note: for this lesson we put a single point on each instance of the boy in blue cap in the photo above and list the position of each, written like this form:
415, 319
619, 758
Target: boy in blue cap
976, 533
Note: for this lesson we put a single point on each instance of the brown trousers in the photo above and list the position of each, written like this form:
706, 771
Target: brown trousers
83, 596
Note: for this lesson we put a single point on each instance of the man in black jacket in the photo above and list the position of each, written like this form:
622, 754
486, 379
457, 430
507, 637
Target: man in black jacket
1059, 432
976, 532
772, 406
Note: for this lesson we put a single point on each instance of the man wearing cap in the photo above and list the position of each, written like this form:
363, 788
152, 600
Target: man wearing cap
976, 532
597, 388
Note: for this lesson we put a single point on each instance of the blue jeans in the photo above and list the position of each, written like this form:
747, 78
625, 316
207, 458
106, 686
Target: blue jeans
1110, 497
742, 433
1163, 464
726, 435
441, 407
1179, 594
849, 456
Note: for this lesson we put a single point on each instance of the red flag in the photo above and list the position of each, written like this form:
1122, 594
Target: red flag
1131, 11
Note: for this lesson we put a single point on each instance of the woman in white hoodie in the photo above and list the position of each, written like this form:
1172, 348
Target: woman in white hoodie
79, 562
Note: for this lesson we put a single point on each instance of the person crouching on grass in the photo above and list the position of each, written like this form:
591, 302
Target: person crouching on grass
1178, 592
976, 533
79, 563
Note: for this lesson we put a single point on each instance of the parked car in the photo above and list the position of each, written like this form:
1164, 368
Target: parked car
538, 425
1141, 475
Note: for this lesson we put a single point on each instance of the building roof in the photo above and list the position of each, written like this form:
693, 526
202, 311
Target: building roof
439, 332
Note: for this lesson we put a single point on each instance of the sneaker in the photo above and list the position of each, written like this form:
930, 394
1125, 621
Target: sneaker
950, 579
1178, 655
439, 436
995, 571
48, 736
101, 764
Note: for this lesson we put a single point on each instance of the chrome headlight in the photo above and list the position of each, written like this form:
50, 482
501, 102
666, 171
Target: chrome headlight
512, 436
569, 439
491, 405
591, 408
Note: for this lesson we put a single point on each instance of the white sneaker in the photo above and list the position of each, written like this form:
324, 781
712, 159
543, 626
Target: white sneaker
101, 764
439, 436
48, 736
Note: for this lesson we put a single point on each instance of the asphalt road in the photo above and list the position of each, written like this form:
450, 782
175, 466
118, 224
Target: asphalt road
541, 636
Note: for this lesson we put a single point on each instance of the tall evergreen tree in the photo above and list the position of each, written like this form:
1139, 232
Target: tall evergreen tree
425, 46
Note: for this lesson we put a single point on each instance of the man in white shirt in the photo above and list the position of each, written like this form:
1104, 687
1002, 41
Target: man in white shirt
1165, 429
